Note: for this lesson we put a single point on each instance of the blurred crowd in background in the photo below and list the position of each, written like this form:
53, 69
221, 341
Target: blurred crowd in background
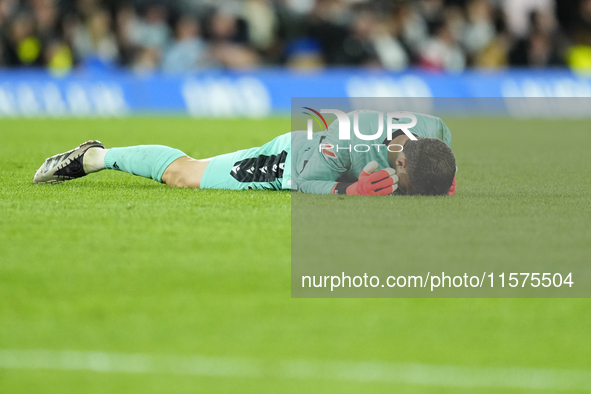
183, 35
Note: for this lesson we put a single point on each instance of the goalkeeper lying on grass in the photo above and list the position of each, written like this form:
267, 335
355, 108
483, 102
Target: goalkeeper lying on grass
322, 164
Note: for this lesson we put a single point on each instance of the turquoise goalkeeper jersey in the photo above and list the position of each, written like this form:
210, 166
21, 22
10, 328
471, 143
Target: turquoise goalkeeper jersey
318, 164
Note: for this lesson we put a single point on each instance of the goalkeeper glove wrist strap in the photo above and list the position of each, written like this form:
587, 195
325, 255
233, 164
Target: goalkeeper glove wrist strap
341, 188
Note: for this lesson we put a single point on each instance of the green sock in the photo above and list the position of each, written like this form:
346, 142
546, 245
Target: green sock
148, 161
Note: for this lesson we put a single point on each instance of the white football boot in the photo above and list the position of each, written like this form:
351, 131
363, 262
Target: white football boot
65, 166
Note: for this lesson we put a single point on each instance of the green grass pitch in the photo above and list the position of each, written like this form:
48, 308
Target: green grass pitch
120, 264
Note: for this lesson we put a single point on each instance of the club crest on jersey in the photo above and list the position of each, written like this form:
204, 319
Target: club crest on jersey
328, 151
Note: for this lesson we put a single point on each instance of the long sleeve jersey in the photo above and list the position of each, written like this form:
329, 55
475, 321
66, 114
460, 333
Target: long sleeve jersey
319, 163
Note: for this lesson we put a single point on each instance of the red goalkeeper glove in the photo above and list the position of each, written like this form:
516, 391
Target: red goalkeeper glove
370, 183
452, 188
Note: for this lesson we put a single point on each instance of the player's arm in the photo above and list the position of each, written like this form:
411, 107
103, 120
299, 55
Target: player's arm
317, 187
328, 163
318, 176
370, 182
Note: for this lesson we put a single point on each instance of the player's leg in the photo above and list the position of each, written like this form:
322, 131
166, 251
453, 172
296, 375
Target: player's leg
263, 168
256, 168
185, 172
149, 161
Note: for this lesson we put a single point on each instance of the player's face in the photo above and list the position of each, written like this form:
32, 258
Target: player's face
397, 160
400, 168
402, 182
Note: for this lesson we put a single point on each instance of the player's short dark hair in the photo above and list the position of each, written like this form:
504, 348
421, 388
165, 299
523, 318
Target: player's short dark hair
430, 166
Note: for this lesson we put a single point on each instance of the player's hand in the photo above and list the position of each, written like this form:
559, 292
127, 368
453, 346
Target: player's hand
452, 188
372, 183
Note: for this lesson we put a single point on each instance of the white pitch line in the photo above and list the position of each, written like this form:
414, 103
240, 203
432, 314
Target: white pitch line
423, 374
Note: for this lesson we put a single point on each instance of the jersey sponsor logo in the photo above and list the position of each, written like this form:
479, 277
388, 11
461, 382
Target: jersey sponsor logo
259, 169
